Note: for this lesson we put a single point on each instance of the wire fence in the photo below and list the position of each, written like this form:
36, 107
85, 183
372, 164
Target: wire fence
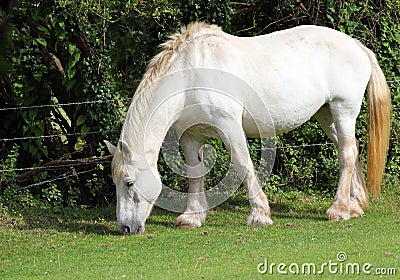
74, 165
62, 177
63, 104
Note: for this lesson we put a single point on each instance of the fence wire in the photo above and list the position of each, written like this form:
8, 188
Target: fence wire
95, 102
59, 135
52, 167
62, 177
63, 104
86, 164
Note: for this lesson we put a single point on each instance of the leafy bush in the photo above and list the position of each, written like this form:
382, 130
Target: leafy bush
92, 54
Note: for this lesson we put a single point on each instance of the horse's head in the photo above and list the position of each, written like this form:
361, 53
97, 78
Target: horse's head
138, 187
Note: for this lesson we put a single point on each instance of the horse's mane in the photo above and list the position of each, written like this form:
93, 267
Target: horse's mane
156, 67
135, 119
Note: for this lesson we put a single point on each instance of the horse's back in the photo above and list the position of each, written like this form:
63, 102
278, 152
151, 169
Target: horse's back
294, 71
304, 51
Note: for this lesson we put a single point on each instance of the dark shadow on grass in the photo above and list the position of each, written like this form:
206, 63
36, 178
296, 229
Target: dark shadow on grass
283, 209
287, 210
162, 217
88, 221
99, 221
102, 221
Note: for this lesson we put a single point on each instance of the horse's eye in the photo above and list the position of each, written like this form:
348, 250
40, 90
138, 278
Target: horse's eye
130, 184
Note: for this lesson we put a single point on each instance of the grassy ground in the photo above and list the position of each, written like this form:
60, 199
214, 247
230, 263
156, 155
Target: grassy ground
84, 244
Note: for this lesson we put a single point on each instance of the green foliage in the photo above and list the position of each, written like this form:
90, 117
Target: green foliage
217, 12
77, 52
9, 163
12, 197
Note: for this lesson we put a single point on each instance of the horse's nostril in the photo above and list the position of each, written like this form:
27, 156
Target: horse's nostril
134, 229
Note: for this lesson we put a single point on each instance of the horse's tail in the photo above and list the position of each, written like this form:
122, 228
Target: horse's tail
379, 114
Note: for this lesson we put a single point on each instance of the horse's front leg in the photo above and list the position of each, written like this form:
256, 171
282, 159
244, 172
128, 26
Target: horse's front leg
196, 210
259, 206
235, 141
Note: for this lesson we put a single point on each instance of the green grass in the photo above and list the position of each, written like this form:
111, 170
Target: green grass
85, 244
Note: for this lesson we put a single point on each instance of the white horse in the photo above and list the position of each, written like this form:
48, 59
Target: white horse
297, 73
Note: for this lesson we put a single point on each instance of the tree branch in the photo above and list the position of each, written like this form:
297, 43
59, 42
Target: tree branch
251, 9
61, 164
302, 7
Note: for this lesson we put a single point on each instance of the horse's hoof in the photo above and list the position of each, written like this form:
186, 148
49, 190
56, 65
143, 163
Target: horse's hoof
262, 224
186, 226
189, 220
259, 218
356, 210
338, 213
355, 214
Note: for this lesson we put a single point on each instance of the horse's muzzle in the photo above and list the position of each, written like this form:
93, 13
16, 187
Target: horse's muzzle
133, 229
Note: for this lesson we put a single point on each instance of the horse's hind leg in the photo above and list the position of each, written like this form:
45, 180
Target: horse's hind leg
196, 210
358, 193
235, 141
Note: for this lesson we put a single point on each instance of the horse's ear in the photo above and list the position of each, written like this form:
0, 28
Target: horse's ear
111, 148
125, 149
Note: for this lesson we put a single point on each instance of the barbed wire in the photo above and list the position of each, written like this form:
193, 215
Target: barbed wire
52, 167
73, 103
62, 177
97, 101
63, 104
58, 135
305, 146
58, 166
76, 165
70, 134
76, 134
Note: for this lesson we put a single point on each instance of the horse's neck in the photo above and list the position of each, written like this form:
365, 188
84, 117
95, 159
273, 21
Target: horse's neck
146, 126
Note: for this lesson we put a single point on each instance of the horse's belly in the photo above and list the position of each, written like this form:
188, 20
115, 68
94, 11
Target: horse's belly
275, 121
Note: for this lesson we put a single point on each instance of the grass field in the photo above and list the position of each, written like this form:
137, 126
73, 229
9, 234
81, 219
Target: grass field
85, 244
